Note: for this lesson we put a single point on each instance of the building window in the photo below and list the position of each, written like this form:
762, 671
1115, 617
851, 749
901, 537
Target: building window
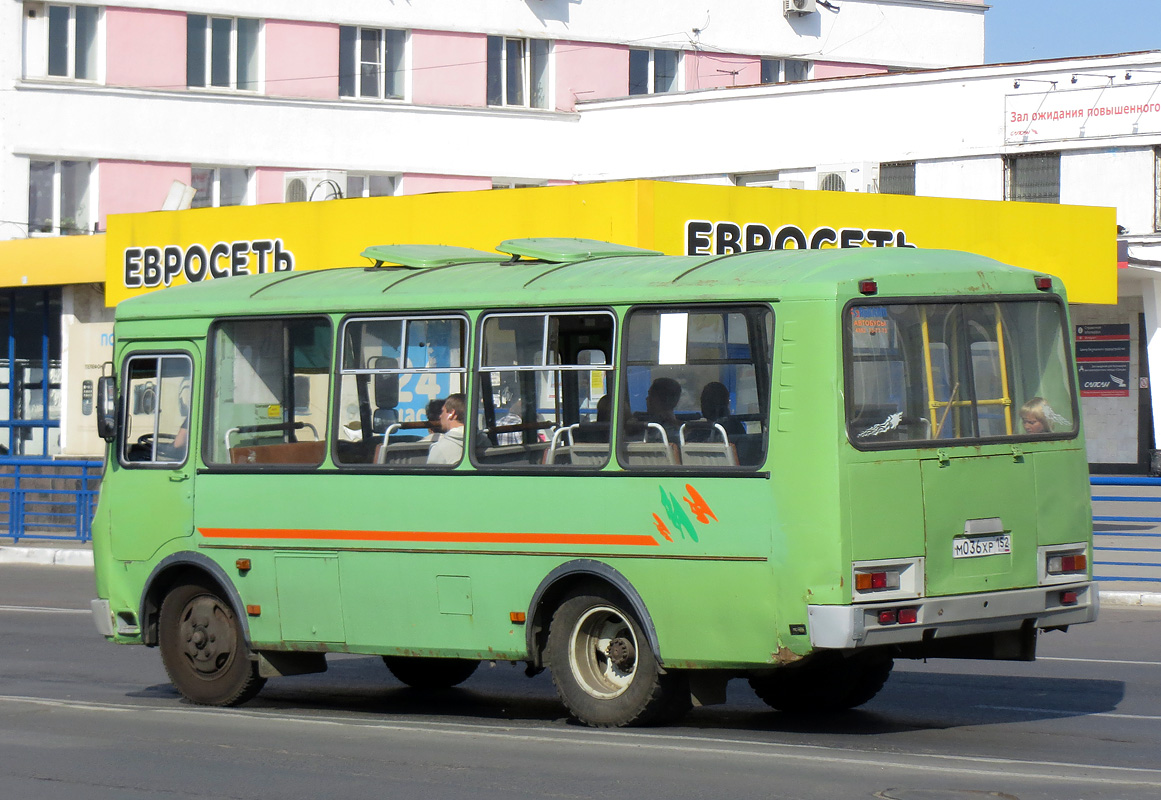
1033, 178
72, 42
516, 183
771, 70
30, 372
370, 185
220, 186
59, 197
654, 71
897, 177
518, 72
371, 62
222, 52
794, 71
1157, 189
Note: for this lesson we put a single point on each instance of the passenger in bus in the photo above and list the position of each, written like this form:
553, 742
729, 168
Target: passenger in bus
449, 448
661, 401
434, 408
1036, 415
715, 408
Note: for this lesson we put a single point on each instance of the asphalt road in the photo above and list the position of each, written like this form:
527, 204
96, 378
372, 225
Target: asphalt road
80, 718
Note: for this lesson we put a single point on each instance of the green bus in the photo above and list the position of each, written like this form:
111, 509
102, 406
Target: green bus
649, 474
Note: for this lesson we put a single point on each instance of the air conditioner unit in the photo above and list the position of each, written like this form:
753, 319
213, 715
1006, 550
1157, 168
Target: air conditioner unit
298, 187
799, 7
861, 176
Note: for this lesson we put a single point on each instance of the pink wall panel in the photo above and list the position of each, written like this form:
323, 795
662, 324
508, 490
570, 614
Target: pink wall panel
828, 69
713, 70
145, 48
449, 69
130, 187
302, 59
586, 71
414, 183
269, 185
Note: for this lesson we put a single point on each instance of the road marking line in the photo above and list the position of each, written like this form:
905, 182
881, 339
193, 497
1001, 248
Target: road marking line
536, 735
1066, 712
1101, 661
46, 610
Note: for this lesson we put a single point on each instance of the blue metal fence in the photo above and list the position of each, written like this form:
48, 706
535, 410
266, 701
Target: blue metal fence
1127, 533
48, 499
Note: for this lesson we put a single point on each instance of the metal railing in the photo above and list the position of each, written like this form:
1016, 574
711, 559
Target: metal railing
1127, 534
44, 498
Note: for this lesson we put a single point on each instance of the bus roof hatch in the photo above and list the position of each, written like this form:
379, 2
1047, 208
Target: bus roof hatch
424, 256
566, 251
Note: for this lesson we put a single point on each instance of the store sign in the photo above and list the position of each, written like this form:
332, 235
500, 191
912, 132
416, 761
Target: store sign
150, 251
1057, 114
1102, 360
151, 267
703, 237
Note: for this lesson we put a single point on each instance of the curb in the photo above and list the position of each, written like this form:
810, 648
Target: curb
61, 557
1141, 599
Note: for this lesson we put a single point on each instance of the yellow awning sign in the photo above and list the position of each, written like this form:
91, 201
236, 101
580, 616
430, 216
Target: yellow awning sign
145, 252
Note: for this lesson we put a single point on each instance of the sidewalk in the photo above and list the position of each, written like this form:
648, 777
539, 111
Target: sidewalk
71, 553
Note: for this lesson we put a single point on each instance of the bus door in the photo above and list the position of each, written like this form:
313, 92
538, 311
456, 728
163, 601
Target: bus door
151, 500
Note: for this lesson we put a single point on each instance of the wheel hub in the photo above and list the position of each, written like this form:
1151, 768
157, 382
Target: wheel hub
207, 633
622, 654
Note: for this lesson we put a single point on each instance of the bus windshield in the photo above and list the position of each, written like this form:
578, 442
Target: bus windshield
957, 371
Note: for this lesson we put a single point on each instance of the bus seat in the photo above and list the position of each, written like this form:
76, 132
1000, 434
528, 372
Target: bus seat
280, 453
403, 453
639, 454
709, 454
579, 454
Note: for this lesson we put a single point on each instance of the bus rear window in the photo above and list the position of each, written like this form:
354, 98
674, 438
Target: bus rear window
957, 371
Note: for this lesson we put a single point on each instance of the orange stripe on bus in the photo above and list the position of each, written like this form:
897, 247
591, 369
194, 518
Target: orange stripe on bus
430, 536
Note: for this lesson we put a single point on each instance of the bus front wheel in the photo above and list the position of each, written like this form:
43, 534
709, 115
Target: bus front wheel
830, 683
203, 649
430, 673
603, 667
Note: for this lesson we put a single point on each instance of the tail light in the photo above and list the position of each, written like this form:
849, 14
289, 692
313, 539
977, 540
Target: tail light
1058, 565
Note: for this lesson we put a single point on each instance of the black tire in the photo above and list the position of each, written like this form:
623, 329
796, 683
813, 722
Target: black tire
203, 650
431, 673
603, 668
829, 683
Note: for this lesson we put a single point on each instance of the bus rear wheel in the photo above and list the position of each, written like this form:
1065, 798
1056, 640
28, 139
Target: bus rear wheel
828, 684
203, 650
430, 673
603, 668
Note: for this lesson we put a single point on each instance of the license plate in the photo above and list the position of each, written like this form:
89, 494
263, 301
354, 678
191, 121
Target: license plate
981, 546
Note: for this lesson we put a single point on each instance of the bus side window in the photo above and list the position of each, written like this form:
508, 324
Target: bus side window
696, 387
542, 380
394, 374
156, 401
270, 385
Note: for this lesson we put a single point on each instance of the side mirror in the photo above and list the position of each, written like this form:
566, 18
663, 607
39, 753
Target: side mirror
107, 407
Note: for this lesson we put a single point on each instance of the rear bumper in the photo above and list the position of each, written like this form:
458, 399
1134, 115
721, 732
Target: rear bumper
847, 627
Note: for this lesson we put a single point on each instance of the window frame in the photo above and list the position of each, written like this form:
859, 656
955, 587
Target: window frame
71, 52
764, 371
340, 370
208, 409
215, 200
351, 63
366, 178
123, 443
478, 371
1011, 177
536, 73
905, 179
57, 190
207, 83
651, 71
934, 444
